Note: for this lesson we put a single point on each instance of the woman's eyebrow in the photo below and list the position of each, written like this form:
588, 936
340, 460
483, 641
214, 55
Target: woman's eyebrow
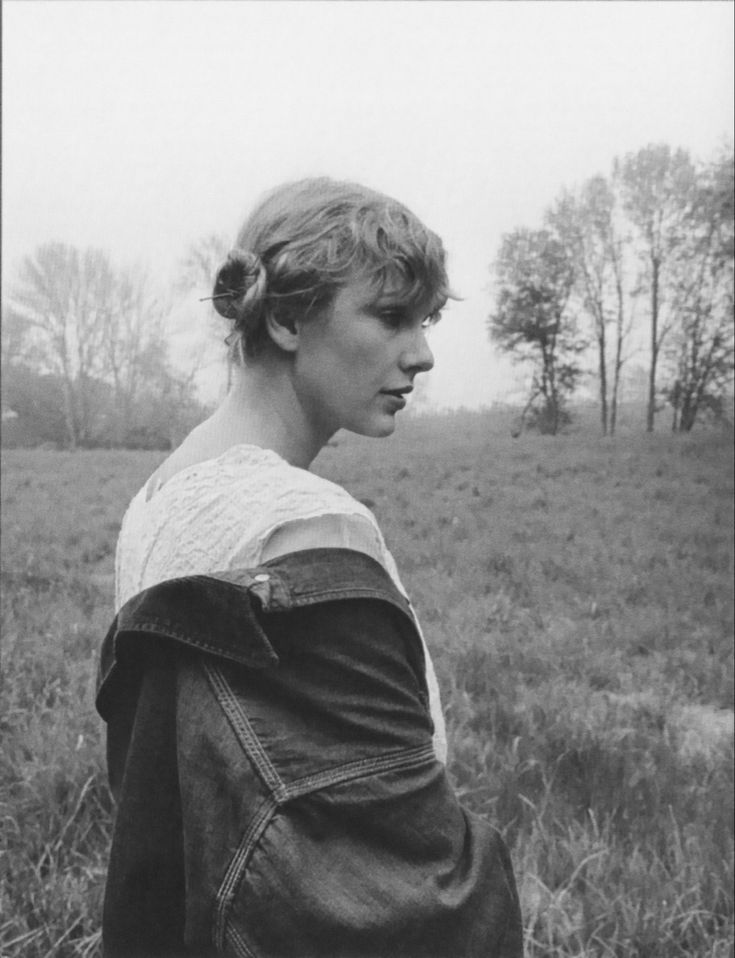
390, 298
389, 306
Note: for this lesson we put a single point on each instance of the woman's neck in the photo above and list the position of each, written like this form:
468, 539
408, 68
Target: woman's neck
262, 409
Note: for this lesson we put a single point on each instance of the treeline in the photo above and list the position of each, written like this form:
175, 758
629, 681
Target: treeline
640, 259
86, 356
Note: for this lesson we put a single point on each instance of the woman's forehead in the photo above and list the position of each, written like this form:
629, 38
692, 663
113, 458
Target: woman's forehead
397, 288
387, 284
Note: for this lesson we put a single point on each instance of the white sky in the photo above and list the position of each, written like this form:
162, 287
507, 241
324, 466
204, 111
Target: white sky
141, 126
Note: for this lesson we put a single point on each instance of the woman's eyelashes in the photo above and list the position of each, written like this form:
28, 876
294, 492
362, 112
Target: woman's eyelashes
395, 317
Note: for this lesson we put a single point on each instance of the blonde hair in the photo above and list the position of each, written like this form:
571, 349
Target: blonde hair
306, 240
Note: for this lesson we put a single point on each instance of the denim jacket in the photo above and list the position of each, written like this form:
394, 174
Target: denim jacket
270, 751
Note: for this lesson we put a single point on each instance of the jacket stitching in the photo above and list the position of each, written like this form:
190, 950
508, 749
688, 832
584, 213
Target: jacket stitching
244, 731
162, 626
365, 768
362, 768
345, 772
299, 599
236, 868
239, 943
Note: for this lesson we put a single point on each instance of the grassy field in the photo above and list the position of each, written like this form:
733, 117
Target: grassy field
577, 595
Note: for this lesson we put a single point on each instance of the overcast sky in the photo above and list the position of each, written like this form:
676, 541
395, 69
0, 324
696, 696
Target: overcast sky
141, 126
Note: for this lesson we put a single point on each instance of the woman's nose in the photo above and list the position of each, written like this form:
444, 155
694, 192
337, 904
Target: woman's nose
417, 356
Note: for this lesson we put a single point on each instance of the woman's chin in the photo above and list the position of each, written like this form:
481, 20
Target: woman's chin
377, 428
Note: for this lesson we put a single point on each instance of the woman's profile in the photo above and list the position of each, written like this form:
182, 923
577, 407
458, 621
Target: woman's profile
276, 744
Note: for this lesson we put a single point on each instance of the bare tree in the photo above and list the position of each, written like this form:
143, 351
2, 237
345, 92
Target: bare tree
63, 296
656, 185
201, 261
588, 224
624, 320
101, 331
197, 271
134, 345
585, 224
702, 337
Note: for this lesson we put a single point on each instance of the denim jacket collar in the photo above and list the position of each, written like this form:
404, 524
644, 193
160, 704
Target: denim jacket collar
228, 624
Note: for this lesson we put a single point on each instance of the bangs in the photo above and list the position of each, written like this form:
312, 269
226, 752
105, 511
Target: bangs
401, 258
402, 287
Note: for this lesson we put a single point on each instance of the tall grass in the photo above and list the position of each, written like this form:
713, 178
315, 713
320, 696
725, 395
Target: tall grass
577, 595
60, 515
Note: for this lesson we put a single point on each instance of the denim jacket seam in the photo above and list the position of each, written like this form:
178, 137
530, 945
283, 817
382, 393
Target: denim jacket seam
281, 791
246, 736
236, 868
242, 949
163, 627
282, 590
314, 596
398, 760
238, 864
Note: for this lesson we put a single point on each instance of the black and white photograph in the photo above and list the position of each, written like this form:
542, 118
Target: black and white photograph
367, 536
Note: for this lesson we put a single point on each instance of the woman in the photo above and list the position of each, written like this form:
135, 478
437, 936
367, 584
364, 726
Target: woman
275, 736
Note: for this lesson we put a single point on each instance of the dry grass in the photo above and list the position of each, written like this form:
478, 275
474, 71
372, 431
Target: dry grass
577, 594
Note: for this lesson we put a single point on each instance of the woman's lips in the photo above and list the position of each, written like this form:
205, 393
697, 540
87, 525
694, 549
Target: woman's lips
396, 396
401, 392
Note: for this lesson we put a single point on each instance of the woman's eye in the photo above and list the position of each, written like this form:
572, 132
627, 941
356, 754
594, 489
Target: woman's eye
396, 317
392, 317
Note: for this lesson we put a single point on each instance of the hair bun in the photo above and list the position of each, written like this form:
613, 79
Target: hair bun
240, 285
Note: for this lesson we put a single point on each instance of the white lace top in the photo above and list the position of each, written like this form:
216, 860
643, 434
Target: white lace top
227, 512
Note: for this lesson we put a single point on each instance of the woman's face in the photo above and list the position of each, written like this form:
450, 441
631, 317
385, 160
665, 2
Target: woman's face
356, 363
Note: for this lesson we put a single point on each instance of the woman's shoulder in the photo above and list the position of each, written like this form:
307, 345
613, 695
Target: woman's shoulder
268, 481
221, 512
244, 493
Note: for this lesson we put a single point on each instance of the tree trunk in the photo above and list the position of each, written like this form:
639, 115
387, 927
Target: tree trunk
83, 412
550, 392
70, 415
614, 405
688, 414
616, 375
694, 402
651, 410
619, 334
603, 377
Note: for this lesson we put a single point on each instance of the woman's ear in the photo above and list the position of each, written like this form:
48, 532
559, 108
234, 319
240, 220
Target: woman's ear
284, 332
